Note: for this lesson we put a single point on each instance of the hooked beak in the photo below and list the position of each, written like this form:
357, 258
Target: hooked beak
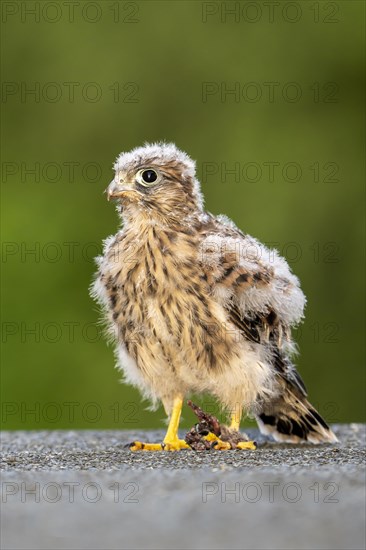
115, 191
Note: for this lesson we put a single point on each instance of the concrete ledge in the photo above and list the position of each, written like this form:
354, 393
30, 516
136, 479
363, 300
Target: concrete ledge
106, 450
83, 489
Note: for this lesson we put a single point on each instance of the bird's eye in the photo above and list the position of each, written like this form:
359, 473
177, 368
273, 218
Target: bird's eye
147, 176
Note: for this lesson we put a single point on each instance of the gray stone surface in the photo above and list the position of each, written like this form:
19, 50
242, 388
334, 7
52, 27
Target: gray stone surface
78, 490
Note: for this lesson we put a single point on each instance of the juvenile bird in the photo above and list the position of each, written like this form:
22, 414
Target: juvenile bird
195, 305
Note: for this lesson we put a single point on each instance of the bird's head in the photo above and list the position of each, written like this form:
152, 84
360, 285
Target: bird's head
157, 180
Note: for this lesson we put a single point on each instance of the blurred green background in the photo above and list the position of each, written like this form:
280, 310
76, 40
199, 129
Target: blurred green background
112, 75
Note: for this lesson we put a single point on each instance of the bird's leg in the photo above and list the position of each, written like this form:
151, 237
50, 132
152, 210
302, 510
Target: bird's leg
235, 420
235, 425
171, 441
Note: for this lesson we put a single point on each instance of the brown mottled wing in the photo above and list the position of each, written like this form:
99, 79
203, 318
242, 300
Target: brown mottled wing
264, 330
260, 328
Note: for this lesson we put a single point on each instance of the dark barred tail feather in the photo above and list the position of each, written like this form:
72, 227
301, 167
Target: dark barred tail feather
291, 418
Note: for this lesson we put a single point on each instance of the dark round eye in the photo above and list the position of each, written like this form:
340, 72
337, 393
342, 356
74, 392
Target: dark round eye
149, 176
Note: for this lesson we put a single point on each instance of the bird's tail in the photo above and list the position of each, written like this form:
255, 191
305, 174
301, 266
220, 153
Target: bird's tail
291, 418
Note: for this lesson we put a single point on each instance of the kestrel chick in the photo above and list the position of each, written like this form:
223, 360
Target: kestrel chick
195, 305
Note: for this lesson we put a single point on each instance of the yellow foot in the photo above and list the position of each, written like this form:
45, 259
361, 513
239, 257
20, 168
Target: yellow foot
139, 446
219, 445
175, 445
243, 445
